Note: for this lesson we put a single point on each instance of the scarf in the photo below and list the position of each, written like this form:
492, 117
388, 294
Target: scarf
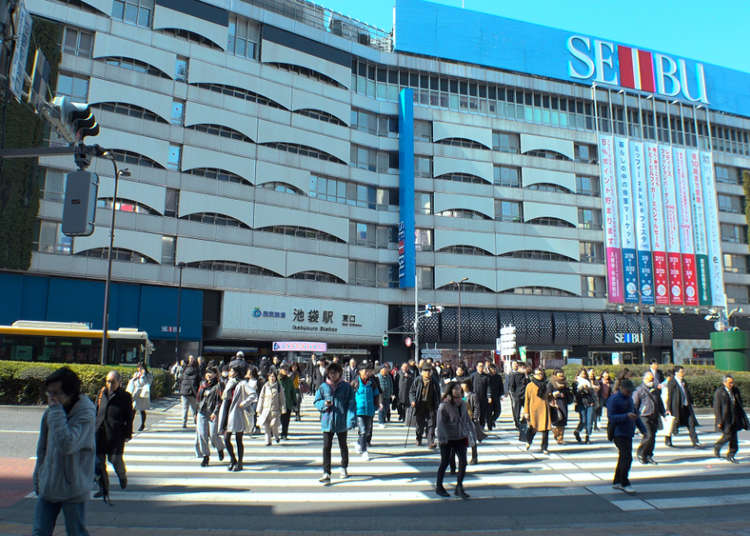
541, 388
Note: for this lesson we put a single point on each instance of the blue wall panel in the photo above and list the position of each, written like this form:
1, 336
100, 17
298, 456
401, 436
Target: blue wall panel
158, 312
407, 256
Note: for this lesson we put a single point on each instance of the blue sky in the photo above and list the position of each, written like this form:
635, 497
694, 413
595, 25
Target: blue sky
712, 32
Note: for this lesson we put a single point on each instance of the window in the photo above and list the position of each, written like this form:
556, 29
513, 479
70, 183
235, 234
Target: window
362, 234
301, 232
320, 115
461, 142
228, 266
423, 166
181, 69
53, 185
465, 250
507, 176
736, 293
589, 218
73, 86
133, 65
130, 110
240, 93
362, 273
423, 240
731, 203
243, 37
549, 155
133, 11
172, 199
52, 240
547, 187
125, 205
77, 42
173, 158
168, 249
733, 233
353, 194
426, 276
281, 187
593, 286
735, 263
220, 130
386, 275
463, 213
537, 255
178, 112
587, 186
118, 254
506, 142
423, 203
585, 153
381, 125
727, 175
422, 130
550, 221
218, 174
462, 177
508, 210
538, 291
591, 252
212, 218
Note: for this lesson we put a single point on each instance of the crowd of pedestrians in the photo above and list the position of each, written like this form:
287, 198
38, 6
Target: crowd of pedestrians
450, 409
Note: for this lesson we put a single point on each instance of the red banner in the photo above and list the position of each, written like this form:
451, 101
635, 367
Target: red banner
674, 262
661, 279
689, 274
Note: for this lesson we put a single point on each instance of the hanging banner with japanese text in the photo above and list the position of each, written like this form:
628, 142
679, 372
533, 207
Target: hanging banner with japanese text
640, 209
627, 222
672, 226
685, 221
658, 233
699, 228
712, 229
611, 221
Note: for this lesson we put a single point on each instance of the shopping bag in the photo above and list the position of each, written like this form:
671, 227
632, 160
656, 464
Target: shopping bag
666, 422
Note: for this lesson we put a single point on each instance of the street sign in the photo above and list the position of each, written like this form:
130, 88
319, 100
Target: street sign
506, 343
300, 346
431, 353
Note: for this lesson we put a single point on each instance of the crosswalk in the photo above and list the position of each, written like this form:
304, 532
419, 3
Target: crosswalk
162, 467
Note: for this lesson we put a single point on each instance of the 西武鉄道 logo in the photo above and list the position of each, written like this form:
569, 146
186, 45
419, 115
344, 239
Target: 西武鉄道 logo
605, 63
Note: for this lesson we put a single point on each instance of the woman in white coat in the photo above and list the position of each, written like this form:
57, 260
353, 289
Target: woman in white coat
139, 388
236, 399
271, 405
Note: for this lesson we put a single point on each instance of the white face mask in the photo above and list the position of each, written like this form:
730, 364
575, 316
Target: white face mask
649, 384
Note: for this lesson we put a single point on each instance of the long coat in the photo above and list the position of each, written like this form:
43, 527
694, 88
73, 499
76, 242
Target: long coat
139, 388
730, 416
271, 403
114, 421
403, 385
537, 409
675, 400
190, 381
233, 415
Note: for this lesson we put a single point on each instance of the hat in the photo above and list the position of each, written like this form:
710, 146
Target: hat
426, 366
365, 365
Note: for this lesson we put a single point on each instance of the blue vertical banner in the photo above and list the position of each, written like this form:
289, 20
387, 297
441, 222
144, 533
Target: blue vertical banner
627, 222
407, 255
642, 223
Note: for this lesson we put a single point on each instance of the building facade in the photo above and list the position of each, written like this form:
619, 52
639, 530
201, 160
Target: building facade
265, 144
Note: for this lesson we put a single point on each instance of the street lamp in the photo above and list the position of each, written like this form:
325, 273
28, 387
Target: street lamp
105, 319
180, 266
458, 285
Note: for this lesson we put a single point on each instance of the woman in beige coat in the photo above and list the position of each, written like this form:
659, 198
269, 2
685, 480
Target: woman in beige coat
271, 405
536, 408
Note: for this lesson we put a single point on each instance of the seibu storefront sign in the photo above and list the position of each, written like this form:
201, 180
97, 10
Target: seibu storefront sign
271, 317
605, 63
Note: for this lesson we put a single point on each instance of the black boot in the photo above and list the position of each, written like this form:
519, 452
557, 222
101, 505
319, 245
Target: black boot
577, 435
668, 441
440, 490
204, 463
232, 464
460, 492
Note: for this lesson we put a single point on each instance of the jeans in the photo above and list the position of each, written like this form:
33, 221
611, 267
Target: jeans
728, 436
449, 450
384, 415
624, 460
328, 444
205, 431
646, 448
586, 421
188, 401
364, 427
45, 517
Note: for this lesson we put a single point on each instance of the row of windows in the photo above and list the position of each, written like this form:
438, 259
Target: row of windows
304, 150
130, 110
216, 219
320, 115
511, 177
353, 194
380, 125
218, 174
301, 232
309, 73
219, 130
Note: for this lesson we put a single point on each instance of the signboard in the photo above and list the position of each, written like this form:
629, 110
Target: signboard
431, 353
627, 223
20, 51
300, 346
642, 227
628, 338
685, 225
658, 232
441, 31
407, 253
672, 226
273, 317
611, 218
505, 345
699, 228
711, 208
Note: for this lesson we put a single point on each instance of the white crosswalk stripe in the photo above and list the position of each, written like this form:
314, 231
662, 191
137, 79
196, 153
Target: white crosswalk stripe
162, 466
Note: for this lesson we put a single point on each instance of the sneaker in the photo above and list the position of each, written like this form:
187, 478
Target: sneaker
732, 459
629, 490
365, 457
343, 474
381, 426
326, 478
545, 451
358, 448
651, 460
618, 487
528, 446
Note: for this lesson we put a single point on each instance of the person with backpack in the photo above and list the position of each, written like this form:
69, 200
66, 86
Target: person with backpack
367, 398
334, 399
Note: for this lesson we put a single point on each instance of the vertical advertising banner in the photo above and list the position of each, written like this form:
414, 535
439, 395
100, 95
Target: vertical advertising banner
711, 207
627, 222
407, 251
699, 228
672, 226
611, 220
642, 227
685, 221
658, 233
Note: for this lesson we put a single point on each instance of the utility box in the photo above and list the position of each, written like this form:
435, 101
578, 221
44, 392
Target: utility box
79, 211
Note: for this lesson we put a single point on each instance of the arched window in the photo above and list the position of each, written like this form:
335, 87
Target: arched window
538, 291
134, 65
548, 187
465, 250
283, 187
301, 232
462, 142
191, 36
125, 205
463, 177
231, 266
538, 255
218, 174
212, 218
137, 159
220, 130
468, 287
309, 73
546, 153
548, 220
304, 150
118, 254
464, 213
240, 93
320, 115
129, 109
313, 275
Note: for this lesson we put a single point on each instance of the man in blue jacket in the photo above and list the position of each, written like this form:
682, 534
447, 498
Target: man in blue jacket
367, 399
622, 422
335, 401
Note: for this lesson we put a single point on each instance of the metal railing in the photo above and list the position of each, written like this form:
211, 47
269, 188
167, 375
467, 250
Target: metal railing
330, 21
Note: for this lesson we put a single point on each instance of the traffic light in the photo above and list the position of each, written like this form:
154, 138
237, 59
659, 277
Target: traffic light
76, 117
79, 210
385, 339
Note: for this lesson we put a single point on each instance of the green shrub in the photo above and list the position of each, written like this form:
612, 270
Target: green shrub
702, 380
23, 383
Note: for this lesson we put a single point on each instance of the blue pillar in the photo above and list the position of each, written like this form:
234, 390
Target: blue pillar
407, 261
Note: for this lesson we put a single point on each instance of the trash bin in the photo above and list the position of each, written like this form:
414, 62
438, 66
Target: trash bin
731, 350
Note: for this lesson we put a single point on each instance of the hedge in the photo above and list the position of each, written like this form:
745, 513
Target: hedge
702, 380
22, 382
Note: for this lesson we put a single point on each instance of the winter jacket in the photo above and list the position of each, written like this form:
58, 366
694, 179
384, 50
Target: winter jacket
271, 403
290, 393
537, 407
647, 402
190, 381
64, 469
618, 407
404, 380
139, 388
342, 414
729, 415
416, 393
209, 398
452, 422
481, 386
114, 421
318, 379
517, 382
237, 398
366, 396
386, 386
497, 389
585, 394
676, 399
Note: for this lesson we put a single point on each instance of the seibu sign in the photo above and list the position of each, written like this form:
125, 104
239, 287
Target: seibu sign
603, 62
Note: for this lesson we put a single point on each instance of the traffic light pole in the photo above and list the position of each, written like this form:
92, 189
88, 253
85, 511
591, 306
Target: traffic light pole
108, 281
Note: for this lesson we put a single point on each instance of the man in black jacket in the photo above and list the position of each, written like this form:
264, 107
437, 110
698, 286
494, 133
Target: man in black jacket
680, 406
318, 375
189, 389
481, 386
516, 389
403, 382
114, 426
424, 398
730, 417
496, 392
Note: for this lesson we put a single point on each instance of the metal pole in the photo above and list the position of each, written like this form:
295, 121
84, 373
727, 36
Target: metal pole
180, 266
105, 319
459, 321
416, 316
643, 337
